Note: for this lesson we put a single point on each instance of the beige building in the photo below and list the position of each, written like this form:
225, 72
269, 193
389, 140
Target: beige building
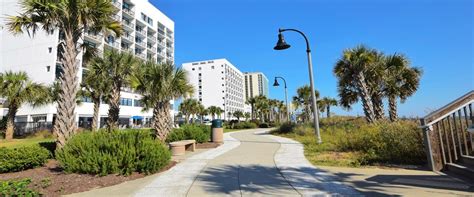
256, 83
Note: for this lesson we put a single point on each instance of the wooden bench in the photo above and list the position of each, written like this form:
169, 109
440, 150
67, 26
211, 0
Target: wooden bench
180, 147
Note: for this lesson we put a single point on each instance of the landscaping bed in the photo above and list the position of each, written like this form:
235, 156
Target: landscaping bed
51, 180
351, 142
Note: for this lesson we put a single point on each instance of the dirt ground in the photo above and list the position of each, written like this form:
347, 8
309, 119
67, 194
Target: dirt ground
50, 180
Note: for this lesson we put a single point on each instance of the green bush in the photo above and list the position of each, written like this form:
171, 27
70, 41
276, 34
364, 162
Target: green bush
123, 152
400, 142
22, 158
17, 188
200, 133
245, 125
263, 125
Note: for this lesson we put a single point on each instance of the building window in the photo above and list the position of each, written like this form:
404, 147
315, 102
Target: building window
193, 69
199, 74
212, 67
143, 16
200, 87
137, 103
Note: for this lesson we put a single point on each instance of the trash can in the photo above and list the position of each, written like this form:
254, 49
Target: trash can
217, 131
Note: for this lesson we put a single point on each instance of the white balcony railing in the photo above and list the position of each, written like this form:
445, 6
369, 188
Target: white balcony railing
142, 44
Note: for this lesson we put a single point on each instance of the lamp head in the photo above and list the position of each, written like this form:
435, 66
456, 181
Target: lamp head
281, 44
276, 83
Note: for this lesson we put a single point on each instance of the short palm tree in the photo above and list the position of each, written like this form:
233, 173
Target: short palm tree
189, 107
72, 18
96, 85
17, 89
214, 110
326, 103
119, 67
303, 99
202, 111
401, 81
238, 115
351, 71
247, 115
160, 83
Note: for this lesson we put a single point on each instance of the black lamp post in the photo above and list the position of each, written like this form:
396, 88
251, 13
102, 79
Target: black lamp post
276, 84
281, 45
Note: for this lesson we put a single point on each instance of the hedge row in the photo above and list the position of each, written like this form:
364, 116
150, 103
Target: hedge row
200, 133
23, 158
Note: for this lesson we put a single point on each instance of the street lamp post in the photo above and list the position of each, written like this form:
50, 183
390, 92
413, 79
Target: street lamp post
282, 45
286, 97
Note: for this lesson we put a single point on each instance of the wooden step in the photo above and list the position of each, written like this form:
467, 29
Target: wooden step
462, 171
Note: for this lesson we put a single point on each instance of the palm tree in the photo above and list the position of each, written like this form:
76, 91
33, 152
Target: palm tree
247, 115
351, 70
160, 83
251, 102
202, 111
262, 106
326, 103
375, 80
96, 85
303, 99
214, 110
119, 67
238, 115
72, 18
189, 107
17, 89
401, 81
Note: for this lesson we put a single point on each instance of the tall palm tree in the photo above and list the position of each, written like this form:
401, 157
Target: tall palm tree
262, 107
251, 102
375, 80
238, 115
401, 81
96, 84
119, 67
72, 18
160, 83
214, 110
326, 103
351, 70
303, 99
17, 89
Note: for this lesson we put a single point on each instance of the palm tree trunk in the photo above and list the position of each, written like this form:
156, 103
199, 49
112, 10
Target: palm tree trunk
114, 107
95, 115
392, 102
365, 97
328, 111
161, 120
187, 118
378, 105
65, 125
10, 123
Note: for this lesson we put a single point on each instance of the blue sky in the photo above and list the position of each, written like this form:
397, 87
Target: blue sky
436, 35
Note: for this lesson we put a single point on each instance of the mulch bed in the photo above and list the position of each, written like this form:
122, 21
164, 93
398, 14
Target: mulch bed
207, 145
50, 180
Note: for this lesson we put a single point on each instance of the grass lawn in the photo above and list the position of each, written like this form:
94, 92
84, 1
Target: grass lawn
15, 143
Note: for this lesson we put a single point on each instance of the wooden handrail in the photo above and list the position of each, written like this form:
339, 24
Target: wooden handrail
449, 109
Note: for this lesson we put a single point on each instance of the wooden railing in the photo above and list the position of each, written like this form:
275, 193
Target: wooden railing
445, 131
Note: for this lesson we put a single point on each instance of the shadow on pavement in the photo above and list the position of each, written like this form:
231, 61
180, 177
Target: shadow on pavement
231, 179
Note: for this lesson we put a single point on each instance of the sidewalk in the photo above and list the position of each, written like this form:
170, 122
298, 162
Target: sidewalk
252, 163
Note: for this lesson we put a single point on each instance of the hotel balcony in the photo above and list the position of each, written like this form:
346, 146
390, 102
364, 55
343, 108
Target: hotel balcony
152, 49
151, 38
141, 55
128, 25
116, 17
140, 33
128, 38
114, 45
95, 37
117, 4
128, 12
141, 44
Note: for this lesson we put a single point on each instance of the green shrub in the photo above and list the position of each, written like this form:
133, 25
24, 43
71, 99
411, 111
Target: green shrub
22, 158
286, 127
123, 152
263, 125
245, 125
17, 188
200, 133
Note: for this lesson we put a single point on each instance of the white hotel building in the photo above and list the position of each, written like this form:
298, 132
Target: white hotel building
256, 83
148, 33
218, 83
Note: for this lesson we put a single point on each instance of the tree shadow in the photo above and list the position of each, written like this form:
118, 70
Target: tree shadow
267, 180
